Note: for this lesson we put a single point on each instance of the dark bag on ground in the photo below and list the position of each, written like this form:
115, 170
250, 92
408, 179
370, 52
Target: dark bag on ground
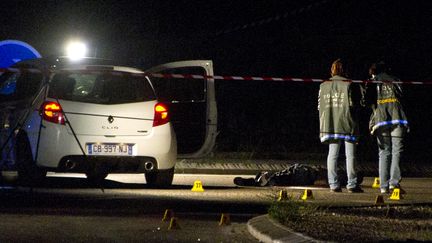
295, 175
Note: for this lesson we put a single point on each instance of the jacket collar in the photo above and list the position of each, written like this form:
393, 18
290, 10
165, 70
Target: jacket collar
338, 78
385, 77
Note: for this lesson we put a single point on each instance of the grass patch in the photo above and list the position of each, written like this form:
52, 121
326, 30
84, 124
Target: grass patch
291, 211
402, 223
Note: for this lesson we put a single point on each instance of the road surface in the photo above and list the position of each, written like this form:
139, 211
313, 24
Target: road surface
123, 208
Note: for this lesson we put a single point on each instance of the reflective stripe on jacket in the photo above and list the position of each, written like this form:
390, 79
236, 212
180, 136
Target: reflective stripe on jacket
335, 104
388, 111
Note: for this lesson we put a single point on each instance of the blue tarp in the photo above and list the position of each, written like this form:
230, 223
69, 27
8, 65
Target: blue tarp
12, 51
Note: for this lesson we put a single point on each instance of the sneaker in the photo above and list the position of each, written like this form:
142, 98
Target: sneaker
384, 191
263, 178
337, 189
401, 191
355, 190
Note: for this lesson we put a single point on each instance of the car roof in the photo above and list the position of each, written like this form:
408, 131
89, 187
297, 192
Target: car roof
32, 64
64, 63
101, 68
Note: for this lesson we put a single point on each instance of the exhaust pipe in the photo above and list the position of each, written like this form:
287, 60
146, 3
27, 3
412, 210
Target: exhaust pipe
149, 166
70, 165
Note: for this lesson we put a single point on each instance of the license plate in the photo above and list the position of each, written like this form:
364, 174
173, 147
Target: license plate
120, 149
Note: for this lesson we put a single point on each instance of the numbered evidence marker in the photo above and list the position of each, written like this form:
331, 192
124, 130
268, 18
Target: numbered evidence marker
197, 187
395, 194
379, 200
174, 224
307, 195
283, 196
225, 219
169, 213
376, 183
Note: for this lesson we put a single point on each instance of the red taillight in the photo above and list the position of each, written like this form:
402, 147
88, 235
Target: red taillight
161, 114
52, 112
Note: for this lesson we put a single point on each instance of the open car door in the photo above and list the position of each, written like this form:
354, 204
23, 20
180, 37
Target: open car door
18, 90
192, 104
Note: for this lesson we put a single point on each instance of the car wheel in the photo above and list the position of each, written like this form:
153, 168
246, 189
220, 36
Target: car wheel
28, 172
96, 177
160, 178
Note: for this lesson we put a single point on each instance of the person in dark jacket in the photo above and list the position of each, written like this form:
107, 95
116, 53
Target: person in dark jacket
389, 124
338, 100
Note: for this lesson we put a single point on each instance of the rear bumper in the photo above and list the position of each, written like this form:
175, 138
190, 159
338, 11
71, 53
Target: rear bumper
56, 147
110, 164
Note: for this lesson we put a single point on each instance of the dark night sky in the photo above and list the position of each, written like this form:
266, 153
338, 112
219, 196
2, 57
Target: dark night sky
298, 38
303, 41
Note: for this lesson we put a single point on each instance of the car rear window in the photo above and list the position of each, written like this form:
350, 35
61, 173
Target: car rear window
101, 87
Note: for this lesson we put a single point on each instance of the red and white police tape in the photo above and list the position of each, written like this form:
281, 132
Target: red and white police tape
249, 78
233, 78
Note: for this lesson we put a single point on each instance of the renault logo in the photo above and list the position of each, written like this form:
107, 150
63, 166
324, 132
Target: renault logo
110, 119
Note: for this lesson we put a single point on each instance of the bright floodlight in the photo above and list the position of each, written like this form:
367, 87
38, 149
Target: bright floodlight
76, 50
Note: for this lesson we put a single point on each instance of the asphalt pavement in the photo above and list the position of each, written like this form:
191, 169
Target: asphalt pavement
265, 229
241, 166
418, 191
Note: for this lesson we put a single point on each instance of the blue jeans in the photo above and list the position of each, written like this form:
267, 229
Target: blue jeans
390, 148
332, 160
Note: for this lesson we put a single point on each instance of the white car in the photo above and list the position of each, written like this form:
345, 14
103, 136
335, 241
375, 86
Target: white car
101, 119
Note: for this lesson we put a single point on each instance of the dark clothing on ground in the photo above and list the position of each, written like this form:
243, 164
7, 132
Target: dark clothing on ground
295, 175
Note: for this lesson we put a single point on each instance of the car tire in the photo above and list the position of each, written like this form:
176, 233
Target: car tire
160, 178
28, 172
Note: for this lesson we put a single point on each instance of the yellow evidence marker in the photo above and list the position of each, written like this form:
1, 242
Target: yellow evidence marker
169, 213
225, 219
379, 200
197, 187
395, 194
173, 224
376, 183
307, 195
283, 195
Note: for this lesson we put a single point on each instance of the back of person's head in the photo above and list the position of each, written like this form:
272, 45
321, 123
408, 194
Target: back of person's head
337, 68
377, 68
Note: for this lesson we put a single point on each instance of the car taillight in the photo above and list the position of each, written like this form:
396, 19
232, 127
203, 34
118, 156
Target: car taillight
161, 114
52, 112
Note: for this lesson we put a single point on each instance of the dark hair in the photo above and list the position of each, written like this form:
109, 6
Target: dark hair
377, 68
